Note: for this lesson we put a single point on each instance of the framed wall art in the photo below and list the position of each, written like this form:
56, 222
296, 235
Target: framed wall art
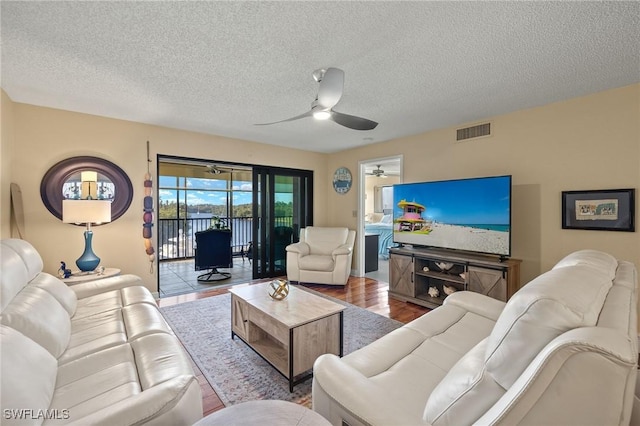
601, 210
342, 180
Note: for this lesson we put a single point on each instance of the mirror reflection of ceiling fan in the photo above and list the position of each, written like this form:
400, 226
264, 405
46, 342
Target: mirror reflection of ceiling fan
377, 172
216, 170
213, 169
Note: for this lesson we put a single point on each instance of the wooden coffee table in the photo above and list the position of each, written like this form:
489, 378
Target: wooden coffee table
289, 334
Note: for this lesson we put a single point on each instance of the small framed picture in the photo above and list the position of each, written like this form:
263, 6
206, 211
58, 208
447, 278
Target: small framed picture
601, 210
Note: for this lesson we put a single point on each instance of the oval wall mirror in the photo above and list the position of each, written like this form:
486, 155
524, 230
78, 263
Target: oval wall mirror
103, 180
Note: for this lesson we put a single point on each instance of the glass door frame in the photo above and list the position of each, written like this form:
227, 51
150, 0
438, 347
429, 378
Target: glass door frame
264, 190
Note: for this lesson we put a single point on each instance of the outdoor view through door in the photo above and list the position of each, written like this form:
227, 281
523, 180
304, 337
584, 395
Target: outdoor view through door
263, 208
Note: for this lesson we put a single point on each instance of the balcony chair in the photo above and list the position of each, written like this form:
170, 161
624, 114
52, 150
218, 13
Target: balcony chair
213, 251
247, 251
322, 256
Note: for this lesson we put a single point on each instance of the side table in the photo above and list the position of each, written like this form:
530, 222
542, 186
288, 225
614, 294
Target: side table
82, 277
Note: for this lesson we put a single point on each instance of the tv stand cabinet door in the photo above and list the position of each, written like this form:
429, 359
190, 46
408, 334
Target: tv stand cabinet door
401, 275
490, 282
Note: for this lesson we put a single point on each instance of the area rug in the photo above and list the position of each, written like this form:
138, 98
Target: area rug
234, 370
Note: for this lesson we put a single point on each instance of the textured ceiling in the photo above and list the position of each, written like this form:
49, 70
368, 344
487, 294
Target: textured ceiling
220, 67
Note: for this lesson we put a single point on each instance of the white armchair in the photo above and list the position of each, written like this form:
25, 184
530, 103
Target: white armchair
322, 256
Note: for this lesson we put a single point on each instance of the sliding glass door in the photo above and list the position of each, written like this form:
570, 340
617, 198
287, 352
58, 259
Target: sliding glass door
282, 204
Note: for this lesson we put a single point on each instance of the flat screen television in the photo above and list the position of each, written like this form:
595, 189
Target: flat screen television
464, 214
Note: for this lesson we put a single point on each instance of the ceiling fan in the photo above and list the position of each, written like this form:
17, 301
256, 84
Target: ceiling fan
377, 172
331, 83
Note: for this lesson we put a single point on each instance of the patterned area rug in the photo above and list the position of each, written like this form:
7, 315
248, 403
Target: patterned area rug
234, 370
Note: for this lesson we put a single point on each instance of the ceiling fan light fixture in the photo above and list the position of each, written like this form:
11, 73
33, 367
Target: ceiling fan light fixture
321, 115
330, 86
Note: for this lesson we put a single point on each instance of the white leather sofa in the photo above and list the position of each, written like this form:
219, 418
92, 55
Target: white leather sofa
562, 351
97, 353
322, 256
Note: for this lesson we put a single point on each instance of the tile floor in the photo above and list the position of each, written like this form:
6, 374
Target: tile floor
180, 277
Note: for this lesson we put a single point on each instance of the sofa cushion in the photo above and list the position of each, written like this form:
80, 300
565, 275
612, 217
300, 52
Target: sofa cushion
37, 314
315, 262
112, 327
28, 374
29, 255
99, 303
52, 285
324, 240
136, 294
94, 333
159, 358
13, 275
603, 262
465, 393
553, 303
96, 381
142, 319
418, 355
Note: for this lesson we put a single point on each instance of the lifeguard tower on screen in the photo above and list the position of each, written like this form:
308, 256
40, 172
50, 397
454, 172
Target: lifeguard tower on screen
411, 219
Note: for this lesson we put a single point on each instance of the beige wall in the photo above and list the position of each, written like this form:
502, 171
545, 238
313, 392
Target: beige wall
44, 136
6, 146
592, 142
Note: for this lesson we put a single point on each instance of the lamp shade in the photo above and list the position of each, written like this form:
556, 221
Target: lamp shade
86, 211
89, 176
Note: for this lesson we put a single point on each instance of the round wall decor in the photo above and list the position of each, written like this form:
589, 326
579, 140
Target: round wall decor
342, 180
63, 181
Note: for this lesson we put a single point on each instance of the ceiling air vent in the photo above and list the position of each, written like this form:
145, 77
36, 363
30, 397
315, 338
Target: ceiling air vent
473, 132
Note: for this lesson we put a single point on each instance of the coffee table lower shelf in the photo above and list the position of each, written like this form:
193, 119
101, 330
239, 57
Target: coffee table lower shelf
276, 356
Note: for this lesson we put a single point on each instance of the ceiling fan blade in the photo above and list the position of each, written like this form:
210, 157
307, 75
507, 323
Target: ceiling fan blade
297, 117
331, 85
352, 122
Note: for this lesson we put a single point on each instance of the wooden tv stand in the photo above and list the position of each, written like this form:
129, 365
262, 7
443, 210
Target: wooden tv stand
413, 271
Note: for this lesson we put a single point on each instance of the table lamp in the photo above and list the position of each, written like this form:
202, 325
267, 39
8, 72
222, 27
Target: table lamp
88, 212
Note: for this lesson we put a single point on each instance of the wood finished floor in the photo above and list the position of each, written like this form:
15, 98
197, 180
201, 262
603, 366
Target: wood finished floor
363, 292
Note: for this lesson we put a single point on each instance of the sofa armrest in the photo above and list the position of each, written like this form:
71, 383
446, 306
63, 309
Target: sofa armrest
477, 303
350, 389
91, 288
301, 248
586, 366
341, 250
175, 402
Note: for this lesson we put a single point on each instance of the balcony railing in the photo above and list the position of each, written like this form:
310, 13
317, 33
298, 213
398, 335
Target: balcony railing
176, 237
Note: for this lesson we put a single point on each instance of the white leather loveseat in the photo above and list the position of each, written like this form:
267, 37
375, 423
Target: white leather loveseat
322, 256
562, 351
97, 353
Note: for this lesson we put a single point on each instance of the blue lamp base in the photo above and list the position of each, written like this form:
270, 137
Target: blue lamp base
88, 261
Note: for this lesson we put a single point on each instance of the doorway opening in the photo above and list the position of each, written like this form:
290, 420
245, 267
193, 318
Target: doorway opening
375, 218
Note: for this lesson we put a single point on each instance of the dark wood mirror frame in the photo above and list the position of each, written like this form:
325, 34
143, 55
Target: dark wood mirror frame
56, 176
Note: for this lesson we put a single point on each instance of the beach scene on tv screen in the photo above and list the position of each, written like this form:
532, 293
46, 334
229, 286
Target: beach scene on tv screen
469, 214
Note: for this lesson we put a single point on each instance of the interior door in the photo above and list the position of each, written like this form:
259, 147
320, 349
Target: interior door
282, 205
